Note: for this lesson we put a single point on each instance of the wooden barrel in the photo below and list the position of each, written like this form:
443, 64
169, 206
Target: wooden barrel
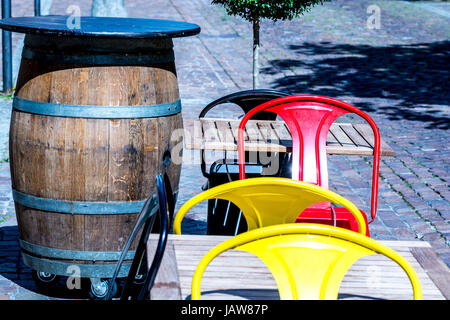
91, 127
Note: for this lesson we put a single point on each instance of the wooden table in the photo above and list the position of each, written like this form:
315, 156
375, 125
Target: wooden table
239, 275
274, 136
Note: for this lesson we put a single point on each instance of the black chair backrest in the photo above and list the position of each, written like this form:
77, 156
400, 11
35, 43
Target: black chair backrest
155, 207
246, 100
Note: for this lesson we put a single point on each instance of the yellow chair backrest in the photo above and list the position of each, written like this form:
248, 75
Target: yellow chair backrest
308, 261
269, 201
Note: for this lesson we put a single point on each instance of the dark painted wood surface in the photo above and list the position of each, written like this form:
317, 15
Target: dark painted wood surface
100, 27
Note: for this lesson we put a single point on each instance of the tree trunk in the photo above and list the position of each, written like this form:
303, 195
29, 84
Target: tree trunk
108, 8
255, 53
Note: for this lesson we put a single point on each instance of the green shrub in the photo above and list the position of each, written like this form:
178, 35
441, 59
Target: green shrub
274, 10
255, 10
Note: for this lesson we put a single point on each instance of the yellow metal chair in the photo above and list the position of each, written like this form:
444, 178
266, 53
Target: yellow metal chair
270, 201
308, 261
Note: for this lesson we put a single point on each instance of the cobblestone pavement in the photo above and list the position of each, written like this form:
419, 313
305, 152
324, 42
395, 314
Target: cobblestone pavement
398, 74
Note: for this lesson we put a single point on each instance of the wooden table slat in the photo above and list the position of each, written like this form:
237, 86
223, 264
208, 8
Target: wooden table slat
366, 131
267, 132
210, 131
282, 131
355, 136
331, 140
212, 139
235, 129
254, 134
225, 133
192, 134
340, 136
435, 268
167, 285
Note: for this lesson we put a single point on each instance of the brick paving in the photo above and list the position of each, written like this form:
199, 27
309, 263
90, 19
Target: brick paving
398, 74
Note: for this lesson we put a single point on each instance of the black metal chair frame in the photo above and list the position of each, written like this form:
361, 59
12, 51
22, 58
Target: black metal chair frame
159, 206
246, 100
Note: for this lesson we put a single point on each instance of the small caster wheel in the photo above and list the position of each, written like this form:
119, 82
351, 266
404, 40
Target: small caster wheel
44, 280
139, 279
141, 275
100, 287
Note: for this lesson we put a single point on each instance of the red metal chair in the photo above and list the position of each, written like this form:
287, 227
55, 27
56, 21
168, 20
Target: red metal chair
309, 118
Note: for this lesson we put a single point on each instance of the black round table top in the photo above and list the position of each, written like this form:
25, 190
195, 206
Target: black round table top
100, 27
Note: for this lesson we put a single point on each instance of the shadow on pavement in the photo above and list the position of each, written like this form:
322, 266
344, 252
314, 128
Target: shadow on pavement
407, 82
13, 269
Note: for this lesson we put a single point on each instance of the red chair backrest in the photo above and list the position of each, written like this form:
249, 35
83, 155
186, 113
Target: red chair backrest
309, 118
